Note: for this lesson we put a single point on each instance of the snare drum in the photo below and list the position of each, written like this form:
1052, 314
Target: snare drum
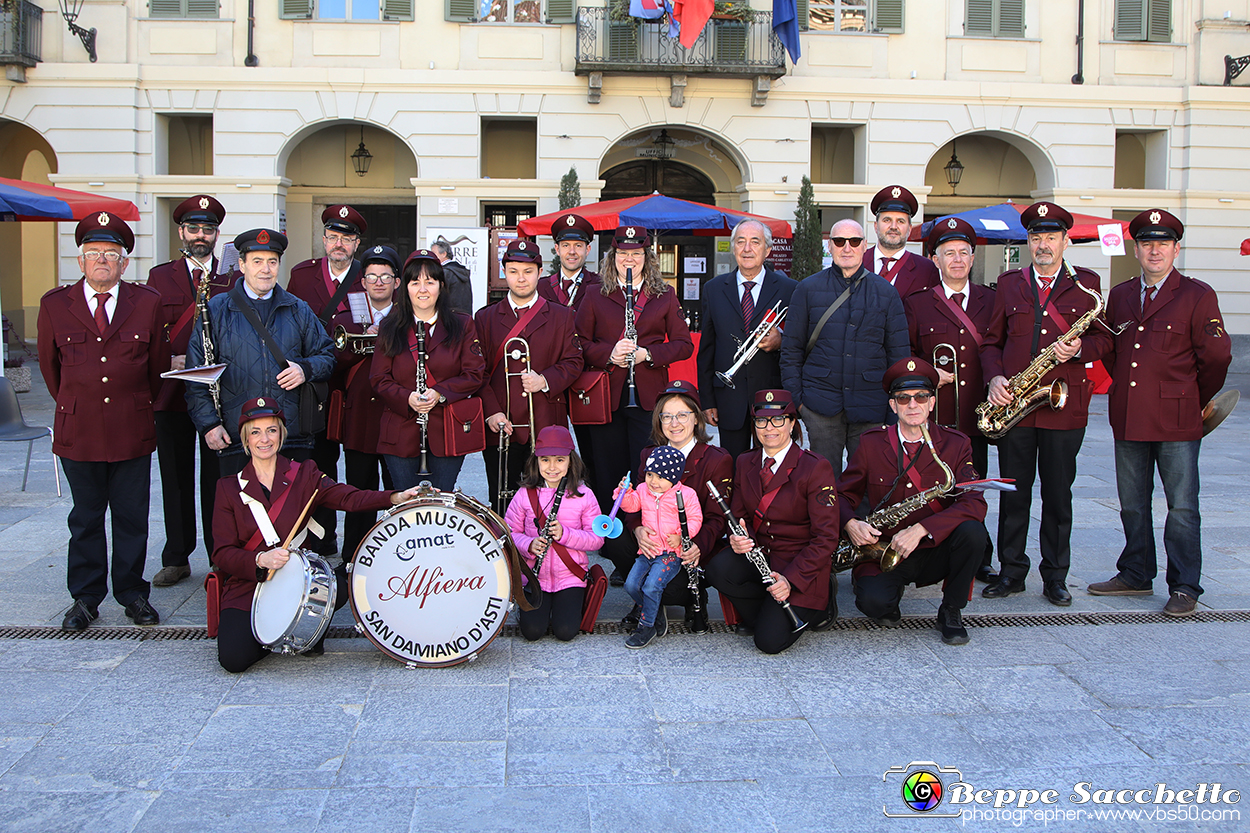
431, 582
292, 610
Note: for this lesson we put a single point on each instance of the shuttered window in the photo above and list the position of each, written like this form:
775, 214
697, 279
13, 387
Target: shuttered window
183, 8
510, 11
850, 15
1143, 20
295, 9
994, 18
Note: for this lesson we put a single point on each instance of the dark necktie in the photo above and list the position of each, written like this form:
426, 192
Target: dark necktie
766, 473
1044, 292
101, 317
196, 275
958, 298
887, 268
748, 304
1148, 298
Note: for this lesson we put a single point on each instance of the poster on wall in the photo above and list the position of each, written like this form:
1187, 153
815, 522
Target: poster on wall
781, 257
469, 246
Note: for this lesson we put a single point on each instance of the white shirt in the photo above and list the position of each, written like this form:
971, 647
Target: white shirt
519, 310
878, 261
687, 448
429, 325
110, 304
339, 277
191, 267
950, 293
781, 455
755, 290
376, 315
253, 295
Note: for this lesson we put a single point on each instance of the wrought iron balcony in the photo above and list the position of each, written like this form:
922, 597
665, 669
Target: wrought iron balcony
21, 33
725, 48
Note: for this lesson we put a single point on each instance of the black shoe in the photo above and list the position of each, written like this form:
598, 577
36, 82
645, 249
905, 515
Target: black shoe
830, 616
1056, 593
986, 575
616, 579
79, 616
744, 630
890, 620
661, 622
1003, 588
142, 612
629, 622
640, 638
951, 623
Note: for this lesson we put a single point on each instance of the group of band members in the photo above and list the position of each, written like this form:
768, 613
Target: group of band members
851, 358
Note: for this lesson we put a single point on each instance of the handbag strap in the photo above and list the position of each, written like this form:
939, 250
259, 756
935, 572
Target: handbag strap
540, 520
249, 312
824, 319
341, 292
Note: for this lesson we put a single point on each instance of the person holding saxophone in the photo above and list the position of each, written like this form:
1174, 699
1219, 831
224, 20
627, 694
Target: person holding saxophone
915, 466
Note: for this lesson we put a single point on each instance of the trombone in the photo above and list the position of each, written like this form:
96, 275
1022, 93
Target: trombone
747, 350
516, 349
948, 355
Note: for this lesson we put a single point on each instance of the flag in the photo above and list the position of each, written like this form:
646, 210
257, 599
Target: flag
648, 9
692, 15
786, 26
483, 9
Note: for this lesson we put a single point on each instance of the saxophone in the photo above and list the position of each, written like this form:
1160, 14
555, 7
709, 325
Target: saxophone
1027, 393
848, 555
206, 330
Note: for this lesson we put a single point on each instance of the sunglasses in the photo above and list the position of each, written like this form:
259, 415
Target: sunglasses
921, 398
839, 242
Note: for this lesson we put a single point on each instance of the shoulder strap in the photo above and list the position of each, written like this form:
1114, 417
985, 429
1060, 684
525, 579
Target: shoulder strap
249, 312
517, 329
264, 525
824, 319
540, 520
780, 478
340, 293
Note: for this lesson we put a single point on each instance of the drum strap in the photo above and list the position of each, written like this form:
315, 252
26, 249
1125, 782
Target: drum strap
264, 525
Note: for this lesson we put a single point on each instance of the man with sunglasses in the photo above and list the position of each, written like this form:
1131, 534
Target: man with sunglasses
102, 350
894, 206
845, 327
178, 282
326, 284
945, 539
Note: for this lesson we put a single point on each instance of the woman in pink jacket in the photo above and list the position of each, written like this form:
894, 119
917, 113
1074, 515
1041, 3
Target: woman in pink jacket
561, 564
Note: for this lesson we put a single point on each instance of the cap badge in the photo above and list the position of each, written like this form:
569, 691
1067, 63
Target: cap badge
1042, 210
102, 219
952, 223
521, 245
260, 403
1155, 217
263, 237
377, 250
630, 233
343, 212
896, 192
911, 365
570, 220
203, 202
768, 397
677, 384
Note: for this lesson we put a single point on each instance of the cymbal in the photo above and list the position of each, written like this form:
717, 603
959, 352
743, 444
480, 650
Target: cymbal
1220, 406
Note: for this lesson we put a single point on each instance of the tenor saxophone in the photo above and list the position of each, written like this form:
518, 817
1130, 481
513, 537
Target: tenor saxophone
1027, 392
848, 555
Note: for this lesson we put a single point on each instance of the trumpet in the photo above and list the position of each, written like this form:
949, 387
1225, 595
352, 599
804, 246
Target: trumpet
359, 343
747, 350
940, 361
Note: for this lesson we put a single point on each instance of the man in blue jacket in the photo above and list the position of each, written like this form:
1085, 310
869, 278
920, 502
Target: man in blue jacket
833, 362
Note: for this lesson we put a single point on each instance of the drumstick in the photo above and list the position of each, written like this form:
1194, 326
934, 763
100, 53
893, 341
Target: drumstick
298, 523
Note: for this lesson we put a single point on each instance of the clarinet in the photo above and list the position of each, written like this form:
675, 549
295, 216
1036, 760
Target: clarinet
693, 573
423, 419
631, 333
545, 534
206, 330
756, 557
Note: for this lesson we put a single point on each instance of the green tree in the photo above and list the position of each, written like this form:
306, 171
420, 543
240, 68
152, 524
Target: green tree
807, 256
570, 191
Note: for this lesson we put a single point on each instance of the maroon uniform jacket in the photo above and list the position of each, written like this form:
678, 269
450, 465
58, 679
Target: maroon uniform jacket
799, 532
601, 324
549, 288
234, 525
554, 352
931, 322
103, 385
874, 466
912, 274
362, 407
456, 371
311, 282
1164, 368
173, 281
706, 462
1007, 347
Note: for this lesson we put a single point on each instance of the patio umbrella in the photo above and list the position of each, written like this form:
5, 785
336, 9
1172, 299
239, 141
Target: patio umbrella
21, 200
1001, 224
657, 212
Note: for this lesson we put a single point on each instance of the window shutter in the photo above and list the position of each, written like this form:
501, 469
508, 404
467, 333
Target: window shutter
1130, 20
165, 8
1010, 18
397, 9
801, 12
464, 11
202, 8
295, 9
561, 11
979, 18
889, 16
1159, 21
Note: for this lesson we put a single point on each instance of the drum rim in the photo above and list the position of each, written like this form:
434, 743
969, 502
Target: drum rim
308, 557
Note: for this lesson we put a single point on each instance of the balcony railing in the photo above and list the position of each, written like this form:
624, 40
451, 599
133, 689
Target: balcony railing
21, 33
727, 48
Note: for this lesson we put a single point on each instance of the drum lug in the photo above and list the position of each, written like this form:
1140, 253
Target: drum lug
360, 628
410, 665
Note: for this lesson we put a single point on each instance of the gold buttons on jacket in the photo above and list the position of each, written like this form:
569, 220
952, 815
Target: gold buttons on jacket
104, 379
104, 358
107, 400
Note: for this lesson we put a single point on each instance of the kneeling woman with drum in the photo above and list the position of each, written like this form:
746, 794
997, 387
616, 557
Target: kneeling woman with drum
786, 499
255, 513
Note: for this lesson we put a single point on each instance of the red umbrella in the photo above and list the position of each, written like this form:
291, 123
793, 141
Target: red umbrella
655, 211
31, 201
1006, 227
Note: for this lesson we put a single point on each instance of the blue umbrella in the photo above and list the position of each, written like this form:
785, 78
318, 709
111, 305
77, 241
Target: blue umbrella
993, 224
23, 203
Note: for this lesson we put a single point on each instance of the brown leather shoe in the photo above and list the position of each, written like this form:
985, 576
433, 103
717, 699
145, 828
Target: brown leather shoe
171, 575
1181, 604
1116, 586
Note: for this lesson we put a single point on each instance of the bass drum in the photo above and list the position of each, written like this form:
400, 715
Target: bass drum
431, 583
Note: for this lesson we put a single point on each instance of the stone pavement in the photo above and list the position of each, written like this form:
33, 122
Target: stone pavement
693, 733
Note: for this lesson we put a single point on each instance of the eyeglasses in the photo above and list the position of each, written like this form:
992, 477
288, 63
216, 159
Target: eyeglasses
334, 239
839, 242
680, 416
192, 228
920, 398
378, 279
632, 254
111, 257
776, 421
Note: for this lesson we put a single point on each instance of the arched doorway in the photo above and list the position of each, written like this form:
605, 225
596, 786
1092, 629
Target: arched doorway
673, 179
30, 248
320, 167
